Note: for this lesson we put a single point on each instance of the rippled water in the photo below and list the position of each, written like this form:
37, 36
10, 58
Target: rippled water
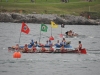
49, 64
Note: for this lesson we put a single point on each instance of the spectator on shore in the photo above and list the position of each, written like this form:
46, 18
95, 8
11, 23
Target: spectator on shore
32, 0
16, 0
6, 0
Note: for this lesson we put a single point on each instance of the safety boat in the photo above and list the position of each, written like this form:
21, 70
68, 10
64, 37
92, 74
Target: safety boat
70, 34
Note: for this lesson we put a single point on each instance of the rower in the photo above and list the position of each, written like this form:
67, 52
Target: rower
33, 48
62, 49
57, 44
25, 49
51, 48
43, 49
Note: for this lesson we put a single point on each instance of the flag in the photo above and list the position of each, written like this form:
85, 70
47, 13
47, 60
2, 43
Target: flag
53, 25
62, 25
44, 28
25, 28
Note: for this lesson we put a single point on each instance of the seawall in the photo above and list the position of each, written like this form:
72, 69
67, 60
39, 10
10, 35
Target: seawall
47, 18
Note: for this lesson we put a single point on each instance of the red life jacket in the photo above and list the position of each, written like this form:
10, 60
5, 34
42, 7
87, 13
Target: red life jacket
26, 49
34, 49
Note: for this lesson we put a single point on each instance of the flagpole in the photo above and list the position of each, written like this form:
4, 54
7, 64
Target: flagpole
19, 40
40, 36
51, 31
61, 30
19, 37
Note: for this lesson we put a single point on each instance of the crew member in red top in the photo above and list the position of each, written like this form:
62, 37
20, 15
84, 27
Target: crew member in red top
17, 47
43, 48
34, 48
62, 49
25, 49
51, 49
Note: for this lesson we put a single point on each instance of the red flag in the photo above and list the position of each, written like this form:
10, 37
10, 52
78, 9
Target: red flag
25, 28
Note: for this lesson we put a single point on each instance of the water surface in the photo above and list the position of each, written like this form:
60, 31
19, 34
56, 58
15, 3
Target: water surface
50, 64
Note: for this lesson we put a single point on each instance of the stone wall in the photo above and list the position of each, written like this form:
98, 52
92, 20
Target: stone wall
46, 18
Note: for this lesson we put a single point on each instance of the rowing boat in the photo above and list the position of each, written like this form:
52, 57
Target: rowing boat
56, 50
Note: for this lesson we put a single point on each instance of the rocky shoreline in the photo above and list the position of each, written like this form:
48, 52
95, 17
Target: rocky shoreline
46, 18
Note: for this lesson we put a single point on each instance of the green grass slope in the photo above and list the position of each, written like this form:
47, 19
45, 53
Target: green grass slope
74, 7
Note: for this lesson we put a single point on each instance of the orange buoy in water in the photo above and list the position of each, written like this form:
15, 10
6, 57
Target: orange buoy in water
83, 51
17, 55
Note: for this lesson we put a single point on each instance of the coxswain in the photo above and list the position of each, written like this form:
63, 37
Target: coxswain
50, 43
57, 44
47, 43
31, 43
36, 43
62, 49
79, 46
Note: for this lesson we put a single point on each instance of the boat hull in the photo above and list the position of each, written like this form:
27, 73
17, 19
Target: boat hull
82, 51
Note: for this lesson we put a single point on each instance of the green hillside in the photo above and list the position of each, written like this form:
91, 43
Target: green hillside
74, 7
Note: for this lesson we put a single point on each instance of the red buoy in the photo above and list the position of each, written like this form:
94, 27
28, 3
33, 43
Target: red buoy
51, 38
